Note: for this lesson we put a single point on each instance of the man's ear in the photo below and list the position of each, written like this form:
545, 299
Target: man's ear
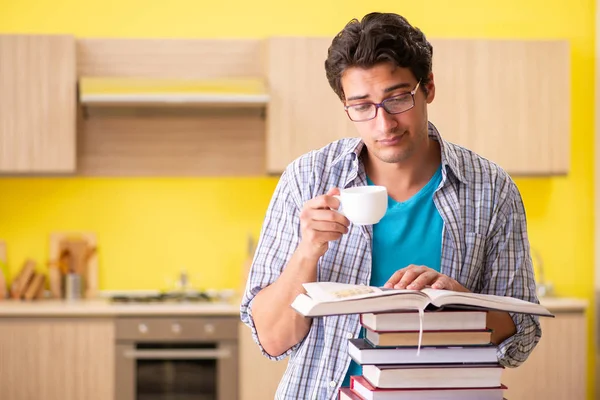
430, 89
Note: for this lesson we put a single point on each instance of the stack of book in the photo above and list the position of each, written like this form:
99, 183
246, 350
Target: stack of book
455, 359
418, 345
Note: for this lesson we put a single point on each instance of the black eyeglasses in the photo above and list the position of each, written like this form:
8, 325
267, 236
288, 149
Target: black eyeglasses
392, 105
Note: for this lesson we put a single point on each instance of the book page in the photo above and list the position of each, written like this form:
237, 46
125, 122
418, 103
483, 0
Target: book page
448, 297
334, 291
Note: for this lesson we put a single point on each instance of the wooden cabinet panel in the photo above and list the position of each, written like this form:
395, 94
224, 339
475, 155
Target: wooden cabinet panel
169, 58
176, 142
38, 104
171, 107
508, 100
259, 376
555, 370
557, 367
304, 113
57, 359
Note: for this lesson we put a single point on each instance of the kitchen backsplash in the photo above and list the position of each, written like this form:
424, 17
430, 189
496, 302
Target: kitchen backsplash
148, 229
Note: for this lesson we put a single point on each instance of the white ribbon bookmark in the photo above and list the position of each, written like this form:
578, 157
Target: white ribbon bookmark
421, 316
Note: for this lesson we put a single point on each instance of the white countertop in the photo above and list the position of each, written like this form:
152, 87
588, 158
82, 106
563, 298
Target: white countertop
564, 304
103, 308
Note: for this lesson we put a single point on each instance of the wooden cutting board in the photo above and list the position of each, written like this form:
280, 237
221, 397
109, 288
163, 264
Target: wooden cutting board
35, 288
23, 279
78, 243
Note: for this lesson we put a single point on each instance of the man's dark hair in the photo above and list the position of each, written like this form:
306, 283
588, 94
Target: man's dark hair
378, 38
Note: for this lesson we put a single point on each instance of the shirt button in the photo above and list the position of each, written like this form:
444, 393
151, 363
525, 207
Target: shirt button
349, 335
332, 384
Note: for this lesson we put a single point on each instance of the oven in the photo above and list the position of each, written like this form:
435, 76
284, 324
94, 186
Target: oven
188, 358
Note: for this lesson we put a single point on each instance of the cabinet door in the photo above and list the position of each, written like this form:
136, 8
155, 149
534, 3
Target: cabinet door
57, 358
508, 100
259, 376
557, 367
37, 104
304, 113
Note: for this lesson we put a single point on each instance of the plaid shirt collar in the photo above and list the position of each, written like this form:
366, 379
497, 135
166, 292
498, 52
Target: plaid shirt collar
449, 156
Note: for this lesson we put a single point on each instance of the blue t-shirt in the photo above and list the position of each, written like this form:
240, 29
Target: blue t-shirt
409, 233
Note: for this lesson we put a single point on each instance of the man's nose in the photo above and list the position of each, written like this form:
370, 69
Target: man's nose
385, 121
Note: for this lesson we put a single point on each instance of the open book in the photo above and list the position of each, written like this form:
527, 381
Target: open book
332, 298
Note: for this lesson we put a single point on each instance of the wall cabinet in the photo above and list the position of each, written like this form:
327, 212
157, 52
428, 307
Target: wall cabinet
37, 104
171, 107
304, 113
57, 358
508, 100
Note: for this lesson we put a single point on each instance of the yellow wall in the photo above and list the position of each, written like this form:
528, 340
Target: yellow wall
197, 223
148, 229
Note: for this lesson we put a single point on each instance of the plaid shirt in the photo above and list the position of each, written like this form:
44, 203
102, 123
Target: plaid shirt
484, 247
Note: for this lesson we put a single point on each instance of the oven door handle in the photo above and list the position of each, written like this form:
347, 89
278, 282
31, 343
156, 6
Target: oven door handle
191, 354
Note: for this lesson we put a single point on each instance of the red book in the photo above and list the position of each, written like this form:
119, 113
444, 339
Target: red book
348, 394
366, 391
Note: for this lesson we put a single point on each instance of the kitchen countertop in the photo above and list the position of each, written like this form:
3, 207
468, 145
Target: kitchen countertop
103, 308
564, 304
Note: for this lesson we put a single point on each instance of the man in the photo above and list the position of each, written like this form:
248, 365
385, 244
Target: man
454, 221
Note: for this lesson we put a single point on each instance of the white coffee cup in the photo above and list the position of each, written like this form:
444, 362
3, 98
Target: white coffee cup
363, 205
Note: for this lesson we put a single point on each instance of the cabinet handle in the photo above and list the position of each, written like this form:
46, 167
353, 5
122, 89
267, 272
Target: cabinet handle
143, 328
187, 354
176, 328
209, 328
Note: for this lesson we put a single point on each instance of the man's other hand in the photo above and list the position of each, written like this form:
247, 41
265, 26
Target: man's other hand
417, 277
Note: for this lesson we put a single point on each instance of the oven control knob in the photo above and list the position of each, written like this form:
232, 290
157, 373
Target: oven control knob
176, 328
143, 328
209, 328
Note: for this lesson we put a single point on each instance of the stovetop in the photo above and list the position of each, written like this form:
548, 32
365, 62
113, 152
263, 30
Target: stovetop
175, 297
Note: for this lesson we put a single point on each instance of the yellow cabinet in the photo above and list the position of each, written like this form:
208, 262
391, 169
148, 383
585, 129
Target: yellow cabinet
57, 358
37, 104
